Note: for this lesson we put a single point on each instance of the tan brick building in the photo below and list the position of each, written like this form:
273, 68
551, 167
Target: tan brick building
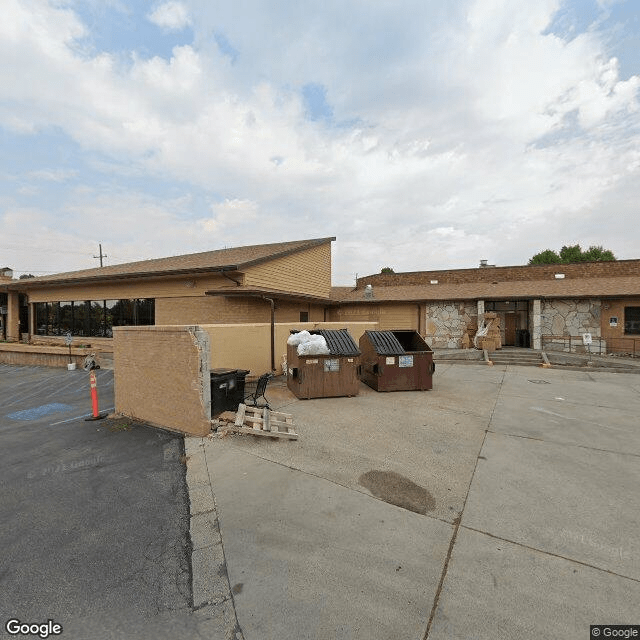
288, 280
544, 305
539, 306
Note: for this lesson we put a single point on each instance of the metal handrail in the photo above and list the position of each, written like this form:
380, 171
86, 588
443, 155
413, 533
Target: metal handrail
599, 345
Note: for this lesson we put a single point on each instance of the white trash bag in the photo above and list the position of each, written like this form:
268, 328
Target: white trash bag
309, 345
315, 346
296, 338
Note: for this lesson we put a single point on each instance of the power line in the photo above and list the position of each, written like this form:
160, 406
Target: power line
22, 247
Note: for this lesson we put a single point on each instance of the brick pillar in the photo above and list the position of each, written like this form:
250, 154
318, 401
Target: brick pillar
536, 325
13, 317
480, 312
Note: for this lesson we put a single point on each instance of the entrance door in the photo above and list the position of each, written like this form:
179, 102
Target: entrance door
510, 320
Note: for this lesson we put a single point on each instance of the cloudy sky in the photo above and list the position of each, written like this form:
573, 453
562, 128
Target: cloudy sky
421, 133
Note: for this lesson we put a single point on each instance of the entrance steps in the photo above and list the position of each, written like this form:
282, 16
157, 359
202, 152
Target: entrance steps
517, 356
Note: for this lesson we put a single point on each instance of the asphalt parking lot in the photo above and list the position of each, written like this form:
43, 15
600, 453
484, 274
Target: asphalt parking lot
95, 515
504, 503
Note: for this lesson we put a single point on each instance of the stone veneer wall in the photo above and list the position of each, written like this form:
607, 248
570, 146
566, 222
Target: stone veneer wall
570, 318
446, 322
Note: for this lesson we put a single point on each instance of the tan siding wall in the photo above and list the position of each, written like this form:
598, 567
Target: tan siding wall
388, 316
162, 376
306, 272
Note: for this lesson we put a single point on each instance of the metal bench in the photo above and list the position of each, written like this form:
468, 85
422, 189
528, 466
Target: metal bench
259, 391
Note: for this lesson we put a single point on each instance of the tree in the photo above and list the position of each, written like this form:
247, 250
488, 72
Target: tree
24, 276
548, 256
573, 253
387, 270
598, 254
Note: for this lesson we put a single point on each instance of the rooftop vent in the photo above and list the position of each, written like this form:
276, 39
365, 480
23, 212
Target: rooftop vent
485, 263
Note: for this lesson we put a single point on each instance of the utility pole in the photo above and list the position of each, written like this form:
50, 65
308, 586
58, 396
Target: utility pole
102, 255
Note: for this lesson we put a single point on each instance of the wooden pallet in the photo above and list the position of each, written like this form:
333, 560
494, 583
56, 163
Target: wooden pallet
263, 422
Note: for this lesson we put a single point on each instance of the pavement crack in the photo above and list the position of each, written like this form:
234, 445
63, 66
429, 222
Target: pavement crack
458, 520
563, 444
212, 603
550, 553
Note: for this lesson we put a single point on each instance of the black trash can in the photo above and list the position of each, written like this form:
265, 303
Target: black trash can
227, 390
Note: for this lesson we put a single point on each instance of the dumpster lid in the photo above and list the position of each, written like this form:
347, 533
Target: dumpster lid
385, 343
339, 341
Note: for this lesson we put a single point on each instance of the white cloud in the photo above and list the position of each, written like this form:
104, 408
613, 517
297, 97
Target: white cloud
230, 213
460, 132
172, 16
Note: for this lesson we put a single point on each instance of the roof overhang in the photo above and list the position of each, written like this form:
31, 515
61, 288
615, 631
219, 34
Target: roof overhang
101, 279
270, 294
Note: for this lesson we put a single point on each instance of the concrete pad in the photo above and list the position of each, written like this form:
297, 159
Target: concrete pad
578, 503
590, 410
564, 421
471, 389
310, 559
494, 589
407, 433
604, 389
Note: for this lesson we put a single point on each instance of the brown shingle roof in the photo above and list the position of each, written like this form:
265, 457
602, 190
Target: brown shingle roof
220, 260
567, 288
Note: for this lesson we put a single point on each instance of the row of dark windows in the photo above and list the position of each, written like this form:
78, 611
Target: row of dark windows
506, 305
92, 317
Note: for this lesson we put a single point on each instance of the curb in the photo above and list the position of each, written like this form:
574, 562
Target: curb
212, 599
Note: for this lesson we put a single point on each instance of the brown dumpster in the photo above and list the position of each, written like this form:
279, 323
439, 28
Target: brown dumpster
396, 361
325, 376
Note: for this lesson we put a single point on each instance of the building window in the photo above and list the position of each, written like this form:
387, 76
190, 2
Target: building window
92, 318
632, 320
505, 305
304, 316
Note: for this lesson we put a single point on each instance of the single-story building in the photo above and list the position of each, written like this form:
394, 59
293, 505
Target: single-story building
541, 306
245, 284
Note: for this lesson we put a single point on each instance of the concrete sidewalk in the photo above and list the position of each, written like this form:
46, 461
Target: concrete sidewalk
504, 503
